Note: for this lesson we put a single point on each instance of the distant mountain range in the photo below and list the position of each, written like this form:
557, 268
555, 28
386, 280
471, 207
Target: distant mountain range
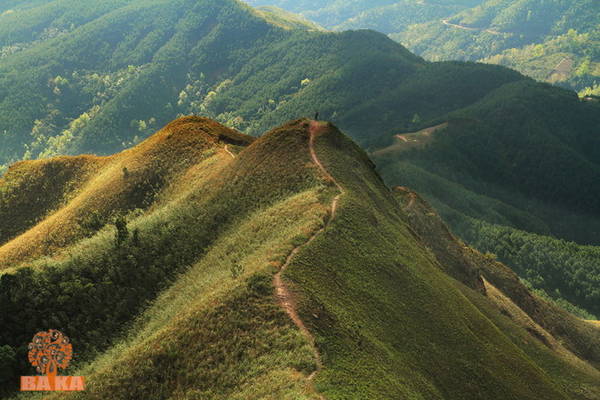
555, 41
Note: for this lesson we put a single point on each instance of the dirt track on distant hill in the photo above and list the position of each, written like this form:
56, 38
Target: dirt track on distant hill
412, 197
467, 28
283, 293
408, 140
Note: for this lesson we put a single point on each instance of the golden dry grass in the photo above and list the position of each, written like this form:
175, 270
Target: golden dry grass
119, 183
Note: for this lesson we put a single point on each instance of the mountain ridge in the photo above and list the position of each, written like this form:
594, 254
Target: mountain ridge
343, 281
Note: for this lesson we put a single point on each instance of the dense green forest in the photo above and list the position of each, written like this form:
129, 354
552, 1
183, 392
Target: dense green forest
563, 270
555, 41
252, 74
522, 156
570, 60
487, 171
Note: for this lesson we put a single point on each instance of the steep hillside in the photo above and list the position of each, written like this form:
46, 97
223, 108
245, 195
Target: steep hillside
284, 268
286, 19
561, 270
515, 158
570, 60
388, 16
48, 204
546, 321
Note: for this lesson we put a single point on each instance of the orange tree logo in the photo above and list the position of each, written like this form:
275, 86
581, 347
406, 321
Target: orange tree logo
48, 352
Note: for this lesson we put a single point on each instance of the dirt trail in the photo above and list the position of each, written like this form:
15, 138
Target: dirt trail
282, 291
411, 139
229, 151
412, 198
467, 28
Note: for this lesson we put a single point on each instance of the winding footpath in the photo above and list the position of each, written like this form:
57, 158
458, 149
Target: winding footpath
282, 291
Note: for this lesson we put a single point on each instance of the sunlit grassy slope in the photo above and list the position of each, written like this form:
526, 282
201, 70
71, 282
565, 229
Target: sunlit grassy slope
71, 197
392, 318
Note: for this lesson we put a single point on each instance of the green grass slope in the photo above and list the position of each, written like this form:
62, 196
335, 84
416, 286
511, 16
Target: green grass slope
231, 220
188, 309
548, 322
381, 270
52, 203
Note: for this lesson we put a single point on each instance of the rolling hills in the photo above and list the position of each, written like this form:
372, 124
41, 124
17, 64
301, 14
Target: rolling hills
554, 41
387, 16
497, 164
155, 60
78, 78
188, 296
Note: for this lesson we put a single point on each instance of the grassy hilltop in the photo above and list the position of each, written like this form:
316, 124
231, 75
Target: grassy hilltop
178, 295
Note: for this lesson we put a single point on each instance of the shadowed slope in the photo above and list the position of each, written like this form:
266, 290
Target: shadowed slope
562, 328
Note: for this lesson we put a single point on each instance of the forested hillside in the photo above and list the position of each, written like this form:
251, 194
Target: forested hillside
564, 271
516, 159
152, 61
388, 16
555, 41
